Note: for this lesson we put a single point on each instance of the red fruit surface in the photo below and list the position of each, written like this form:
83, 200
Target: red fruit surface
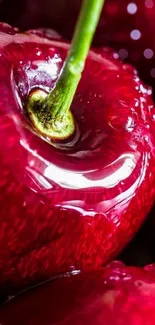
75, 206
113, 295
127, 26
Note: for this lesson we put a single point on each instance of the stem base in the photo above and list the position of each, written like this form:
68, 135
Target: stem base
55, 127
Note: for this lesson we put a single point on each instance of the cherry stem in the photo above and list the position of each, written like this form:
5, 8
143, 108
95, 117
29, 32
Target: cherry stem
50, 114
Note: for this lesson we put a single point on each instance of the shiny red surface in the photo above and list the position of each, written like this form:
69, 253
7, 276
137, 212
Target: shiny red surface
114, 295
75, 206
127, 26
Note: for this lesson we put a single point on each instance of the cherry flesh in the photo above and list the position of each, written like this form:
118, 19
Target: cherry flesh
76, 205
113, 295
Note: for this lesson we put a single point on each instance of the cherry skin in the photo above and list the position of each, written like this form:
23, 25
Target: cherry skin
125, 25
71, 205
115, 294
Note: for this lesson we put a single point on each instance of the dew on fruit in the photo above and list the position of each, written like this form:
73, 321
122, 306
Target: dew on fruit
38, 53
75, 272
131, 123
146, 138
49, 68
136, 77
31, 163
147, 126
115, 56
143, 90
136, 105
114, 278
153, 117
116, 222
149, 91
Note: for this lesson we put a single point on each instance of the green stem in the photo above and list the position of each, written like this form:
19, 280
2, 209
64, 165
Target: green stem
51, 113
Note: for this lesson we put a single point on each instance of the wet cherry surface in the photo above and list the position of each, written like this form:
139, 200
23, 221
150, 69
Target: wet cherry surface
76, 205
115, 294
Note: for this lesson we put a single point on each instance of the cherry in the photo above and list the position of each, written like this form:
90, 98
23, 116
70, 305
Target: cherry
76, 204
125, 25
115, 294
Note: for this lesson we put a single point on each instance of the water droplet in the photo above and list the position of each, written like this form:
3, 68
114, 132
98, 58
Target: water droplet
146, 138
38, 53
147, 126
32, 163
131, 123
136, 105
114, 278
115, 56
149, 91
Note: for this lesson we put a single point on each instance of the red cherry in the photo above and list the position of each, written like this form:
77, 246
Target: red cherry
126, 25
77, 205
113, 295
